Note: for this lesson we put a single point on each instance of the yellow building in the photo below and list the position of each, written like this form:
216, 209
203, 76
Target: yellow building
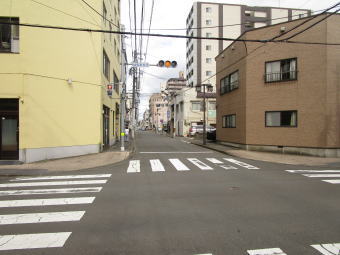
53, 83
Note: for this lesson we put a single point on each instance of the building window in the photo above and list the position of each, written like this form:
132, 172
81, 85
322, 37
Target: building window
208, 10
281, 119
208, 47
208, 22
281, 70
249, 24
104, 14
229, 83
208, 73
229, 121
208, 35
9, 35
115, 82
106, 65
208, 60
196, 106
212, 106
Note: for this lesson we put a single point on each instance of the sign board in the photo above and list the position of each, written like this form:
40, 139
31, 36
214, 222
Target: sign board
135, 64
207, 95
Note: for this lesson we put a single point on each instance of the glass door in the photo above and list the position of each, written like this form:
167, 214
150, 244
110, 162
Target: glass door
9, 137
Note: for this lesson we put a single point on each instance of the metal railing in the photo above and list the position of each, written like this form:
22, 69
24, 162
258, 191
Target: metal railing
281, 76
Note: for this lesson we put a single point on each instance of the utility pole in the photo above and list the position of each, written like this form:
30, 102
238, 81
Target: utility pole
122, 96
199, 88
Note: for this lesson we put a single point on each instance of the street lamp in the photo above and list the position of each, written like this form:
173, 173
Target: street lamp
209, 89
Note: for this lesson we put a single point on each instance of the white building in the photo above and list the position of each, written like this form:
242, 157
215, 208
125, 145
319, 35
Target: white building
220, 20
187, 111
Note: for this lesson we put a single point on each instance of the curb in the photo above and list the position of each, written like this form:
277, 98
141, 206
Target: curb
214, 149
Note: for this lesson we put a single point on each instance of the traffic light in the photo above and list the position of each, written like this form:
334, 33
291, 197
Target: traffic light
167, 63
109, 89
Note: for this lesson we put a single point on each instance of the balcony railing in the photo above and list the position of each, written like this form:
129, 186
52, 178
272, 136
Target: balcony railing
281, 76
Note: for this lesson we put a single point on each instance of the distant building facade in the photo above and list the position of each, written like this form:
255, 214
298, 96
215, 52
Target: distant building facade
158, 107
227, 21
282, 97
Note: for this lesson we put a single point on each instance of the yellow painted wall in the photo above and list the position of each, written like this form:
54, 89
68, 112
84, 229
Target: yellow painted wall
54, 113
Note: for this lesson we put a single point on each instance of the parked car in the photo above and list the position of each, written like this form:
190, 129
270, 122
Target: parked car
211, 135
198, 129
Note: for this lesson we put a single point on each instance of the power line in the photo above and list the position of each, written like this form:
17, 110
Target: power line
164, 35
309, 27
147, 42
101, 15
68, 14
305, 21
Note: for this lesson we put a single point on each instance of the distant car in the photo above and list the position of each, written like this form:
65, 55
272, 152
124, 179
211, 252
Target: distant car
211, 135
198, 129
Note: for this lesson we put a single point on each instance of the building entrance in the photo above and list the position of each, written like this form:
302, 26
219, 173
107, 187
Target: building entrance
9, 129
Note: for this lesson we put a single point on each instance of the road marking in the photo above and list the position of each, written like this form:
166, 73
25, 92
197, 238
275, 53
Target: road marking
227, 167
271, 251
236, 162
214, 160
45, 202
58, 183
164, 152
332, 181
328, 249
48, 191
63, 177
200, 164
156, 165
313, 171
178, 164
322, 175
33, 241
134, 166
40, 217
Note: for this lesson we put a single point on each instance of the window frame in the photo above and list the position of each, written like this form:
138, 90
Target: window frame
13, 36
280, 60
284, 126
225, 121
229, 84
106, 65
200, 106
208, 46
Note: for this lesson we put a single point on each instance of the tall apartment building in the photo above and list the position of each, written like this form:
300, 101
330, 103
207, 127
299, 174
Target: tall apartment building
158, 111
228, 21
53, 93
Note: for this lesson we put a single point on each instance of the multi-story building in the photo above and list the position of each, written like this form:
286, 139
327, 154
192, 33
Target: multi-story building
158, 107
176, 84
187, 111
282, 96
53, 95
228, 21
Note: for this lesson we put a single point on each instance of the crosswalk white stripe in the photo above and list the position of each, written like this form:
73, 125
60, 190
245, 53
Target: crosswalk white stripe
156, 165
328, 249
33, 241
48, 191
332, 181
322, 175
63, 177
134, 166
271, 251
313, 171
227, 167
236, 162
200, 164
214, 160
40, 217
46, 202
178, 164
58, 183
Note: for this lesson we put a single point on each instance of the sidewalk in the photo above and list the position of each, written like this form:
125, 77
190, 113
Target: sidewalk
289, 159
110, 156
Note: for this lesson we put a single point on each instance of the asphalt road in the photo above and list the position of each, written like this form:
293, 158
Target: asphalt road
195, 206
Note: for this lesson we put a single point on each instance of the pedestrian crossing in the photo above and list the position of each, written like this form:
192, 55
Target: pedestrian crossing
187, 164
325, 249
329, 176
17, 187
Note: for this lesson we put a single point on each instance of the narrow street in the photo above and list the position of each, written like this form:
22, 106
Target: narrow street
172, 197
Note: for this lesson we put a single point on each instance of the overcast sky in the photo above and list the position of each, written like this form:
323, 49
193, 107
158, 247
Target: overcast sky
170, 14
